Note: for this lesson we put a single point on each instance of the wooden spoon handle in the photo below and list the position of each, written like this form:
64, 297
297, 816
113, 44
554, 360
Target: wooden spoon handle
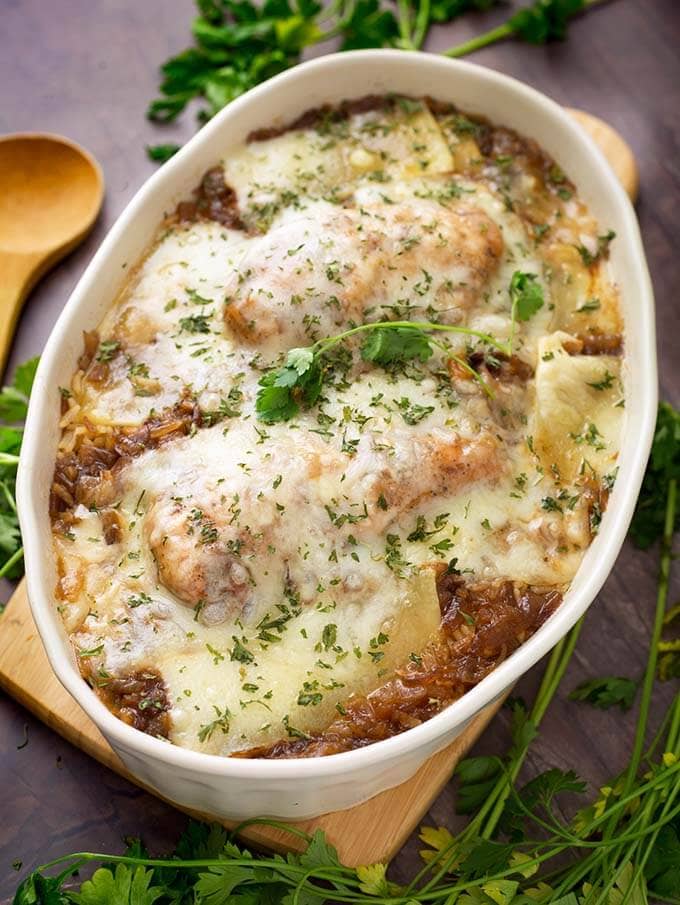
18, 276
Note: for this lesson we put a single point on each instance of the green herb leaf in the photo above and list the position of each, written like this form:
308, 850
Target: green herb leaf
373, 880
526, 295
446, 10
538, 792
545, 20
195, 323
663, 867
216, 885
13, 409
388, 346
282, 391
477, 775
664, 466
161, 153
319, 852
538, 23
610, 691
299, 381
25, 375
127, 886
485, 859
369, 25
589, 258
201, 840
14, 398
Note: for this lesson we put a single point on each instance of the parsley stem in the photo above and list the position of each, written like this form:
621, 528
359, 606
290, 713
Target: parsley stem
466, 367
277, 824
404, 17
646, 851
323, 345
12, 561
489, 37
422, 24
495, 802
650, 670
552, 677
501, 32
8, 459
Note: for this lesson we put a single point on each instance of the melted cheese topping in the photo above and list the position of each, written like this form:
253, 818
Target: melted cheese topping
267, 572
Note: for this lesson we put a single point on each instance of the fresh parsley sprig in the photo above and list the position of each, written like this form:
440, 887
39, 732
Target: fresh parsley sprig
240, 43
298, 382
13, 410
526, 297
606, 692
538, 23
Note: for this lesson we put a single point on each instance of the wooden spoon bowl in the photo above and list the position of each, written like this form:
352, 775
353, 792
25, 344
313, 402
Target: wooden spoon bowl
51, 191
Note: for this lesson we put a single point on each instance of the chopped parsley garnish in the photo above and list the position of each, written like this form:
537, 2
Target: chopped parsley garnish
329, 636
394, 559
589, 258
217, 655
108, 349
291, 731
229, 407
92, 651
411, 412
221, 722
310, 696
240, 652
196, 298
589, 305
590, 436
605, 383
421, 532
138, 600
194, 323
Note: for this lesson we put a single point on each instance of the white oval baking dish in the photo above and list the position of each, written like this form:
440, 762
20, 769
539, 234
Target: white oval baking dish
297, 789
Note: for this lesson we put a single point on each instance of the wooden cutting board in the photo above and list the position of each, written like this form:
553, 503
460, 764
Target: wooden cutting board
373, 831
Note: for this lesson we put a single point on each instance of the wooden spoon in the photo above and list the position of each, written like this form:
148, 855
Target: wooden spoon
51, 191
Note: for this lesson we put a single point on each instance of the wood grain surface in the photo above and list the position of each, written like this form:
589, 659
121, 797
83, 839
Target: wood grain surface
87, 70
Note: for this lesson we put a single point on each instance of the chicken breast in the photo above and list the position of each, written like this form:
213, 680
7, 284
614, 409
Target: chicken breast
313, 275
209, 541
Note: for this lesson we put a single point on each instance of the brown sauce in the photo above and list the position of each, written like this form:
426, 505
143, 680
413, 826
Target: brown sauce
326, 114
213, 200
139, 699
87, 474
602, 344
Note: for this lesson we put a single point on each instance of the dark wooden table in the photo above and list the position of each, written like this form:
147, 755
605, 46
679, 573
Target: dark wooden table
87, 68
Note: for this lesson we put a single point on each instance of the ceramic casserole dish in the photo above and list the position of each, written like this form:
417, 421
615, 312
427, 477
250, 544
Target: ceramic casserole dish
299, 788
